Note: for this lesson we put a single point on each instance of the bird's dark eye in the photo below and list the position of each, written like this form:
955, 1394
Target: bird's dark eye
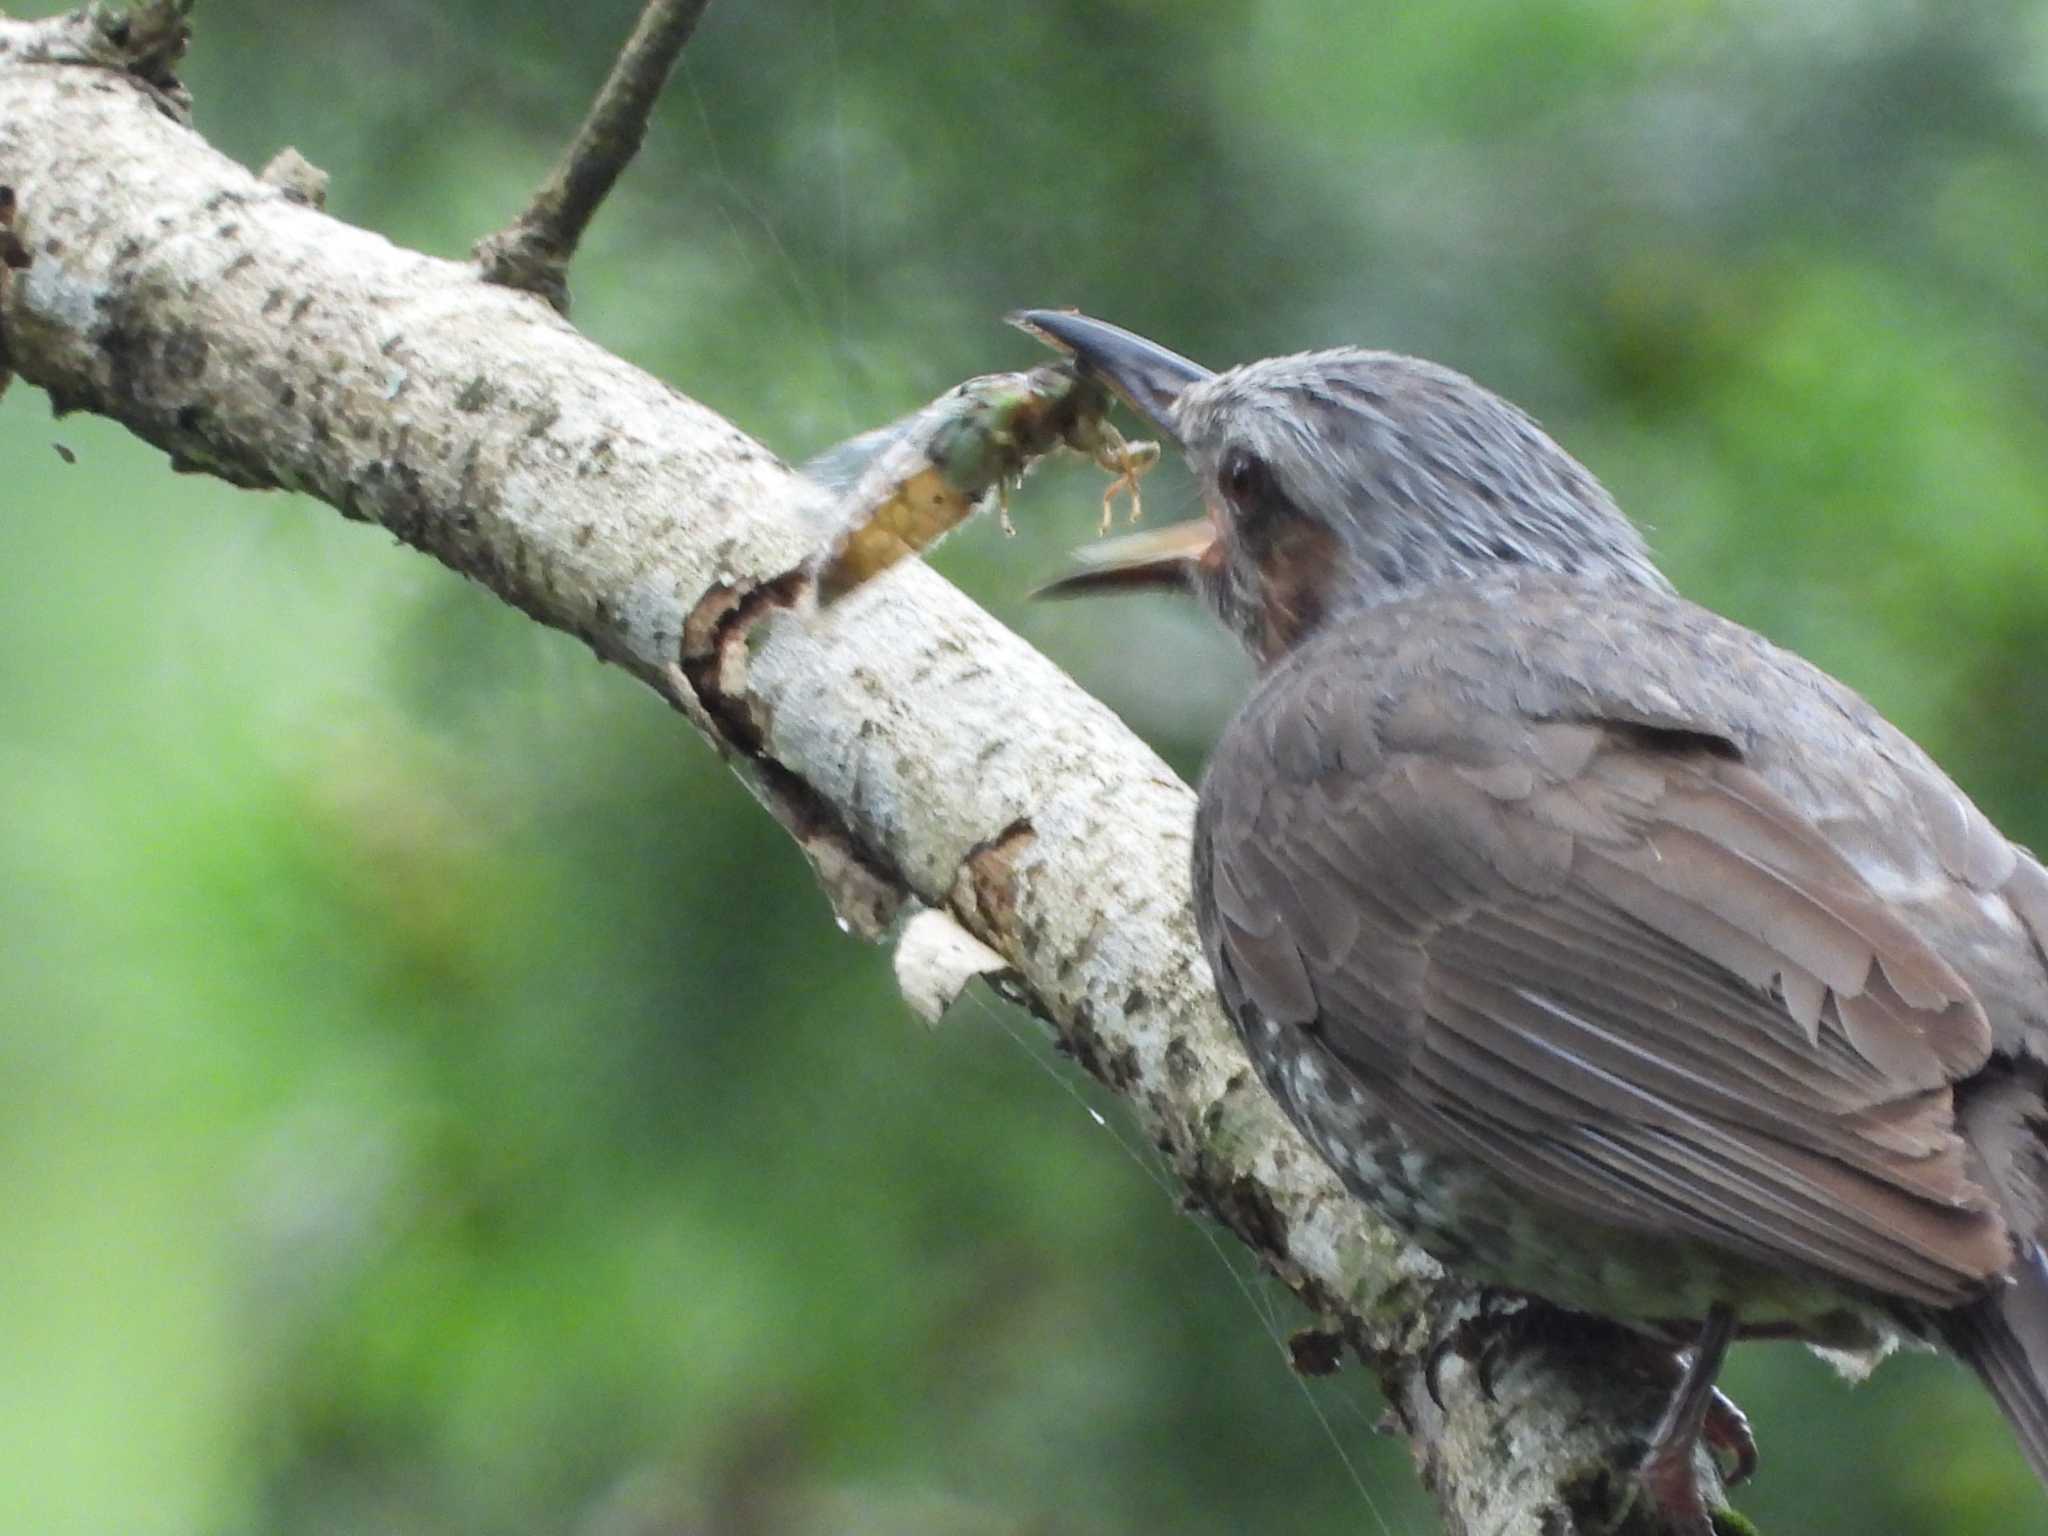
1242, 477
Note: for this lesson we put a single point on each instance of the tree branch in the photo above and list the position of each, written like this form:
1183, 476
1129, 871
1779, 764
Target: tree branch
919, 753
535, 250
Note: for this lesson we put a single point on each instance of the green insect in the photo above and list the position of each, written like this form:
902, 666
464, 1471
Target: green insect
904, 486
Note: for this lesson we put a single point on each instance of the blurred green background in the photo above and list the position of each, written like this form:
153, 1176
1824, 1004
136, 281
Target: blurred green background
434, 1099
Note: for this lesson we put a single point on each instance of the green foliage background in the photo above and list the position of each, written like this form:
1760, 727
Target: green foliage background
433, 1098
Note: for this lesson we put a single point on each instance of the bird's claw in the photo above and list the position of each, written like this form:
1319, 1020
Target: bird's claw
1477, 1339
1728, 1434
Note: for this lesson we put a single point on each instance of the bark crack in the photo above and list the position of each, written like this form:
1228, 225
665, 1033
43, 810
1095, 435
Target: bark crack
867, 894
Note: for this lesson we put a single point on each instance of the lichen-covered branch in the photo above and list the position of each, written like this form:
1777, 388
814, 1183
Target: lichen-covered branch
920, 754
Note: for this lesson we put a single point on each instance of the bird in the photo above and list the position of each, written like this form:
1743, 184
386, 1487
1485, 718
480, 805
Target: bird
1613, 954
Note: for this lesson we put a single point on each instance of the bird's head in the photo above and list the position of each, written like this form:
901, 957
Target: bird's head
1338, 480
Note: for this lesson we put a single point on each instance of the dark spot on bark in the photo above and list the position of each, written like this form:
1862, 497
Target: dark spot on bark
1181, 1063
1121, 1069
1083, 1041
394, 489
1315, 1351
1591, 1500
127, 352
184, 356
1245, 1206
475, 395
1135, 1001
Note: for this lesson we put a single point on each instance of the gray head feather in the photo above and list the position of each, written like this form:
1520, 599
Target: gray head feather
1422, 476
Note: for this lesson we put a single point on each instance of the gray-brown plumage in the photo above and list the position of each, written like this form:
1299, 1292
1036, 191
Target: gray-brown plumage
1615, 954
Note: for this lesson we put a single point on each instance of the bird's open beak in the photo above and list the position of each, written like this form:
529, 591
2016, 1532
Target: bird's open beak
1149, 378
1169, 557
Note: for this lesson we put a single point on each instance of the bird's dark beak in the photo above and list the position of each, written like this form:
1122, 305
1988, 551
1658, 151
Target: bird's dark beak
1149, 378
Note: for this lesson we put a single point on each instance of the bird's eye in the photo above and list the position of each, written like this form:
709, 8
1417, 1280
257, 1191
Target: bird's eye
1242, 476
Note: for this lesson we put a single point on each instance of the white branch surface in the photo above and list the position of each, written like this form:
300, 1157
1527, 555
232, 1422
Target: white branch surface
918, 751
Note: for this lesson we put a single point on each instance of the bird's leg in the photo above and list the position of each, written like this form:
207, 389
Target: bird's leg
1667, 1473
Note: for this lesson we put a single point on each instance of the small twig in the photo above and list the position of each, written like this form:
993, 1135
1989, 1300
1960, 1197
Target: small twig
534, 251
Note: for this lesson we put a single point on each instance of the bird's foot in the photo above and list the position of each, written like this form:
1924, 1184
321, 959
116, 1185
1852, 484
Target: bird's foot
1667, 1476
1728, 1435
1664, 1492
1482, 1339
1669, 1481
1678, 1512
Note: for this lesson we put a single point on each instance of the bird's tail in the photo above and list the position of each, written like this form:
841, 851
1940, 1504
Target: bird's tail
2004, 1337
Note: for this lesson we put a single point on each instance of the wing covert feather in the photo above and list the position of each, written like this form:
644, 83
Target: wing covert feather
1614, 963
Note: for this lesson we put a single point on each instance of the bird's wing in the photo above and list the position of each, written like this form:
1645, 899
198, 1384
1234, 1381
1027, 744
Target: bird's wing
1612, 962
